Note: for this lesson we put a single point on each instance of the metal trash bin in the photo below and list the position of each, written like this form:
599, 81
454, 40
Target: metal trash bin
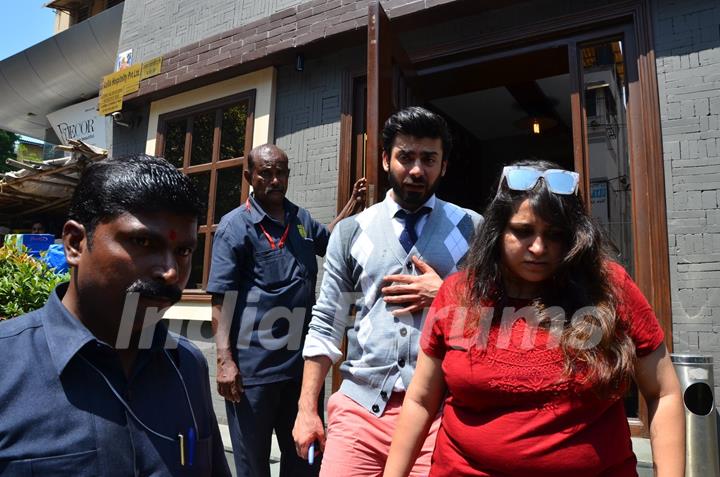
695, 373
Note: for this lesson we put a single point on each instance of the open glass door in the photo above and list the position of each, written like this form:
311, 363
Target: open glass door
606, 161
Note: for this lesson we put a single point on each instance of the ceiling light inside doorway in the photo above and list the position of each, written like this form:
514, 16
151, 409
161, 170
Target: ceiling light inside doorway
536, 124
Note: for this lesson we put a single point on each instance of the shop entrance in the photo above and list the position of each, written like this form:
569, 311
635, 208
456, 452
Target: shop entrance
579, 92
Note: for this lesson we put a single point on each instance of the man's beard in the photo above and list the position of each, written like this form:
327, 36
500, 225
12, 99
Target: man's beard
154, 290
411, 199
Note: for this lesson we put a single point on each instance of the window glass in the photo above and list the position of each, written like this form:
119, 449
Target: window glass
229, 188
609, 162
232, 139
175, 141
202, 139
202, 184
198, 259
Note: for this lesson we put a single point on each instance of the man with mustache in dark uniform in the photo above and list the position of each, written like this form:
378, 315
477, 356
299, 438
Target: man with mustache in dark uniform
92, 383
262, 278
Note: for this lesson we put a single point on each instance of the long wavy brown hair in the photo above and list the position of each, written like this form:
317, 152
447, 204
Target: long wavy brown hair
582, 280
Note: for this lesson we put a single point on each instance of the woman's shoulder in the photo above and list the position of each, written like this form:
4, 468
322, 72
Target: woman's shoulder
616, 273
456, 281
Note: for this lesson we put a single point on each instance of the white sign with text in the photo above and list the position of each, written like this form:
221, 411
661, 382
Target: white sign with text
80, 121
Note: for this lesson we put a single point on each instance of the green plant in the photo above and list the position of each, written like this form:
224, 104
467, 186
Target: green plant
25, 283
7, 149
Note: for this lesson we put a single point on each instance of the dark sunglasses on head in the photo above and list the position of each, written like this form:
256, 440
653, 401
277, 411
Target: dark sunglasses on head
558, 181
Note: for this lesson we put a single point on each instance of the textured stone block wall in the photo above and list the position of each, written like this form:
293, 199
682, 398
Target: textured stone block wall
687, 48
307, 127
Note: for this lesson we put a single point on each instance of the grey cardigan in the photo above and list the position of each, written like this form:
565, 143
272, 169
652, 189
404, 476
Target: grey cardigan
362, 250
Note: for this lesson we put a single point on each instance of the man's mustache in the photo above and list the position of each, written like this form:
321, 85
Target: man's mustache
155, 290
415, 182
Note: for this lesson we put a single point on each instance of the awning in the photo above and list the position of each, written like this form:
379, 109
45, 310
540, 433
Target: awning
38, 187
57, 72
67, 4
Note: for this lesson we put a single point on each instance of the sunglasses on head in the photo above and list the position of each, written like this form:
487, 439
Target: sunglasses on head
558, 181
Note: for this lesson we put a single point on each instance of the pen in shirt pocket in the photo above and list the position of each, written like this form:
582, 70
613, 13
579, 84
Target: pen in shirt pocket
187, 458
191, 445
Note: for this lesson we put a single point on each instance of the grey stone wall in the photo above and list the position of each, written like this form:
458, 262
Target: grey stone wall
307, 127
154, 27
687, 48
501, 18
130, 138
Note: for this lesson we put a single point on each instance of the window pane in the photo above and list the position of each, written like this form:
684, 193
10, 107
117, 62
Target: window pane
606, 109
202, 184
196, 274
202, 139
175, 142
232, 140
228, 191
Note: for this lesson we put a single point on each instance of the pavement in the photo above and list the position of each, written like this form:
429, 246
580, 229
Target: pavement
642, 450
641, 447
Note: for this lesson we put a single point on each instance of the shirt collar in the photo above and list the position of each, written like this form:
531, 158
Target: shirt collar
258, 214
66, 335
393, 207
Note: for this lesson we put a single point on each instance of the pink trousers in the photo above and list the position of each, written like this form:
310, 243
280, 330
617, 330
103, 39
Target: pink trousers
358, 442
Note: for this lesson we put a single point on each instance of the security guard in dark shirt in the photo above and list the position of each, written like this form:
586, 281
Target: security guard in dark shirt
92, 384
263, 271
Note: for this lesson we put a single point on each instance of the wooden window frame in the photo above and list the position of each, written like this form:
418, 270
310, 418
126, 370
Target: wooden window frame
213, 166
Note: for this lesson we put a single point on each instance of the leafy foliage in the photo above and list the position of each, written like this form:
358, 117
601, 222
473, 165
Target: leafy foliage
7, 149
25, 283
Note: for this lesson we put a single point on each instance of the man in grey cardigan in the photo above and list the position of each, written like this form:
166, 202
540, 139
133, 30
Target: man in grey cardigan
388, 262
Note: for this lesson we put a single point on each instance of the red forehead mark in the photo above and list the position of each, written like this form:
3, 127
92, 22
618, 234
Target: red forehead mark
172, 235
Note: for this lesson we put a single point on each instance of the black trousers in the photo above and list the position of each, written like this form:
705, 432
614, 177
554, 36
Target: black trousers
263, 409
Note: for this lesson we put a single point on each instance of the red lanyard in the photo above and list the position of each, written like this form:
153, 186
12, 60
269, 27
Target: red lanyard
269, 238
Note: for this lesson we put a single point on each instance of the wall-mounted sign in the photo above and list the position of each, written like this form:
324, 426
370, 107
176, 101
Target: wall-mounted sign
115, 86
125, 81
80, 121
151, 68
124, 60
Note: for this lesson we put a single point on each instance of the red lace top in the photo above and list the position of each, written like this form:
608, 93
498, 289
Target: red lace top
509, 410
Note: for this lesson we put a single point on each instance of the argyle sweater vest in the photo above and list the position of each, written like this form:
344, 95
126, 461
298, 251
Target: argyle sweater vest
362, 250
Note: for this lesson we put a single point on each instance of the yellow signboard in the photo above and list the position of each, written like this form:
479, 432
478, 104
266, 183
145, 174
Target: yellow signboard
110, 99
132, 78
125, 81
115, 86
151, 68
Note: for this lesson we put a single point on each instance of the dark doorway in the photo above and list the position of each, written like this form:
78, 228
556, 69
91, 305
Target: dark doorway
501, 111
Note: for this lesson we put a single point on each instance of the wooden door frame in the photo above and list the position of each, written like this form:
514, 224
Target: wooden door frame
349, 170
379, 100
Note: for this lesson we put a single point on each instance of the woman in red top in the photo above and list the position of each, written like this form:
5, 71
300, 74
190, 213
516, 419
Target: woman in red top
532, 347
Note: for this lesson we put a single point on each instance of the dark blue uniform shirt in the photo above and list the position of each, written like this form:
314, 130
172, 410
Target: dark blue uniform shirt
58, 416
275, 285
